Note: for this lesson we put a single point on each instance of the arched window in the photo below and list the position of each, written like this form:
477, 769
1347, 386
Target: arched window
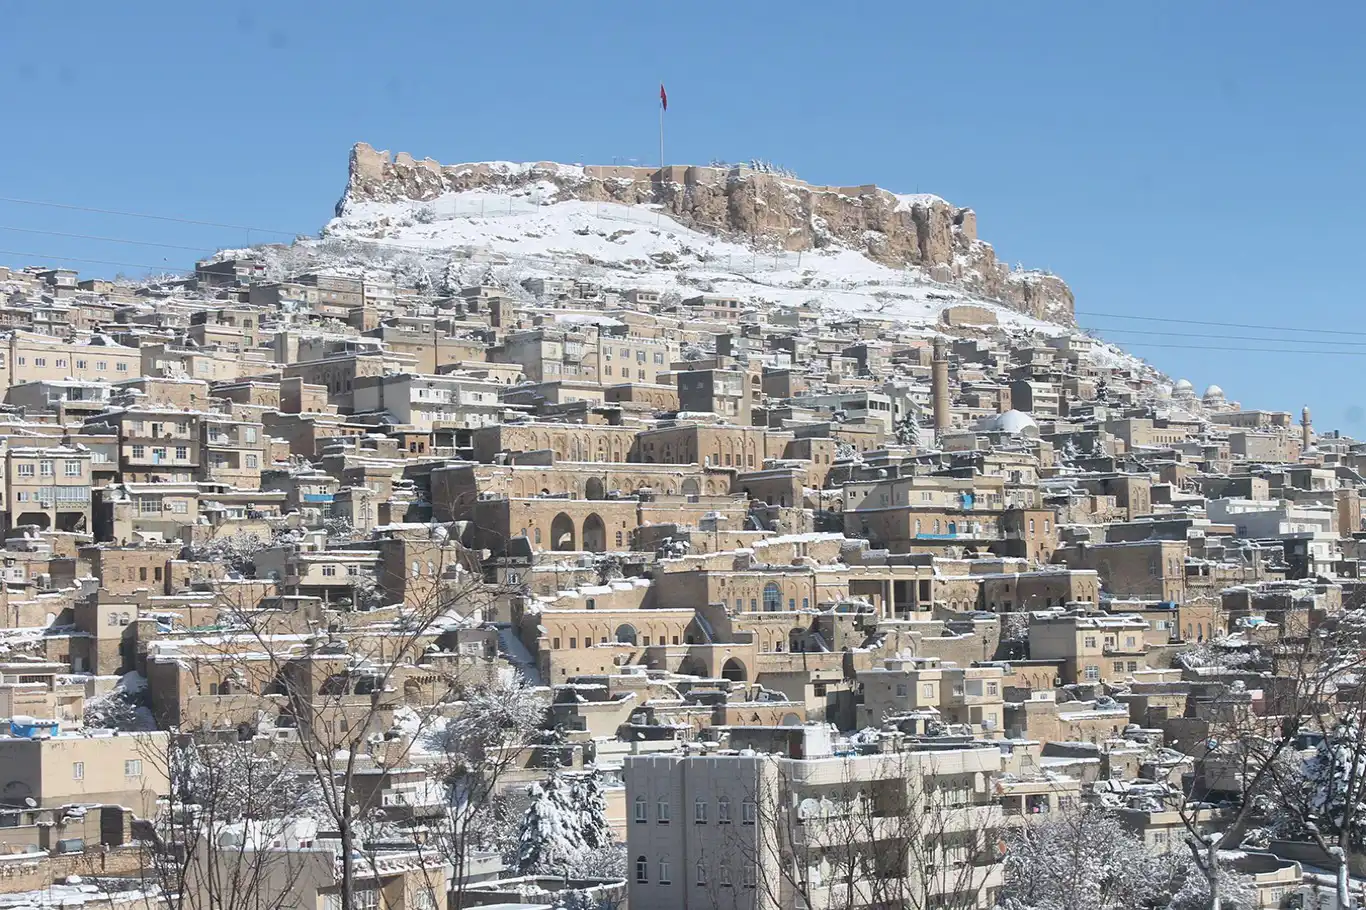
538, 535
699, 811
664, 876
701, 874
642, 870
723, 811
723, 875
642, 812
773, 598
662, 808
417, 568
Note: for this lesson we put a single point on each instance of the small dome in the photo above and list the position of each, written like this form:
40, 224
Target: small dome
1183, 385
1214, 392
1016, 423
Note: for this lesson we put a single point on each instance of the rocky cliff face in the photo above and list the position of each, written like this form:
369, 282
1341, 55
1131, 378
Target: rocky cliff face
919, 231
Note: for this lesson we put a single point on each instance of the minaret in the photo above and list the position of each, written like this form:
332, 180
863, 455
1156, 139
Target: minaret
939, 386
1306, 429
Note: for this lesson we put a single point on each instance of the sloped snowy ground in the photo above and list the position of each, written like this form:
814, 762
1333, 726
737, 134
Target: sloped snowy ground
636, 246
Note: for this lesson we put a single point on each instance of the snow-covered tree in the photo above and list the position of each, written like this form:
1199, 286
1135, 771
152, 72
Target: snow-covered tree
907, 429
1335, 783
565, 823
1083, 860
1087, 860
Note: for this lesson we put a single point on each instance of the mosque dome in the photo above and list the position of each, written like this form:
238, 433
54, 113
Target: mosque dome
1016, 423
1182, 388
1214, 393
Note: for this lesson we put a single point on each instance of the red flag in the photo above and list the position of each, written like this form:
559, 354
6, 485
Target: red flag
663, 97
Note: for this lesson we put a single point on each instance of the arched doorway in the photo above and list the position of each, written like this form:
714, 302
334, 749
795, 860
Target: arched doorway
562, 533
733, 670
691, 666
690, 487
626, 634
593, 489
594, 534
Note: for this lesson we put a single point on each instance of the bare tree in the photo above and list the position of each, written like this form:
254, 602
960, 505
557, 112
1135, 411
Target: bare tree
901, 829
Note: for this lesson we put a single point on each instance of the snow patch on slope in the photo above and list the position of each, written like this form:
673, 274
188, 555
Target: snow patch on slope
638, 246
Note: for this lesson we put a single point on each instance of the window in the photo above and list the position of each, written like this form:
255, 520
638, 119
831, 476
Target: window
40, 361
664, 877
1092, 672
139, 451
773, 598
642, 870
72, 469
424, 899
80, 364
121, 367
329, 571
701, 874
662, 809
159, 453
46, 468
101, 366
927, 690
901, 690
366, 899
642, 812
78, 770
1090, 641
699, 811
149, 506
750, 881
723, 811
25, 470
747, 812
993, 688
723, 875
182, 452
252, 461
132, 767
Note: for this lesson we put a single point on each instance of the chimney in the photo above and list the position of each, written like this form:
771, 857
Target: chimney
939, 386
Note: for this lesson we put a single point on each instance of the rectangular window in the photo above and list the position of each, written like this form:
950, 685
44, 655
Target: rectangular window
72, 469
26, 470
699, 812
662, 812
121, 367
78, 770
80, 365
46, 468
132, 767
139, 451
252, 461
901, 690
329, 571
747, 812
101, 366
182, 452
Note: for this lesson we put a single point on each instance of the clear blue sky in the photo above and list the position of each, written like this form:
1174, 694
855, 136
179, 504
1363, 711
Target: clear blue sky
1188, 160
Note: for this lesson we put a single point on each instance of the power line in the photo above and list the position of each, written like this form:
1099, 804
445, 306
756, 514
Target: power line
164, 246
86, 208
164, 267
1110, 331
1226, 325
1206, 347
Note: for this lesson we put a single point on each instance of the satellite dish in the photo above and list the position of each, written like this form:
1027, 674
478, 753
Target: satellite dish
30, 802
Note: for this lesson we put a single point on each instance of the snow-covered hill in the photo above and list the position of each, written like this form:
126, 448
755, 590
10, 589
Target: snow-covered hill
522, 233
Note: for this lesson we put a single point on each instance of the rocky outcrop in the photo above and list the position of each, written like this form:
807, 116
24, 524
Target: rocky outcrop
903, 231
